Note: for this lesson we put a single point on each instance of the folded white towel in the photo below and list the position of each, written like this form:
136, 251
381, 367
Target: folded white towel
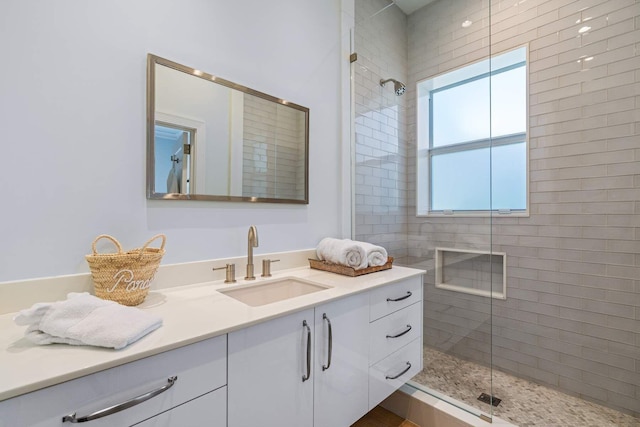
376, 255
344, 252
84, 319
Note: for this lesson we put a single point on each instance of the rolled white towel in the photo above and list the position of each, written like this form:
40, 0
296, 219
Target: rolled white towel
376, 255
344, 252
84, 319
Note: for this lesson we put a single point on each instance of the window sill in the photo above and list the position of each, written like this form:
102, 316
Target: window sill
476, 214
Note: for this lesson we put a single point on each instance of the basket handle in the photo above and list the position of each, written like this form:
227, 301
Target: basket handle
164, 240
106, 236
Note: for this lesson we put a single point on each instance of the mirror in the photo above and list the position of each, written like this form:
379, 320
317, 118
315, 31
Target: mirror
211, 139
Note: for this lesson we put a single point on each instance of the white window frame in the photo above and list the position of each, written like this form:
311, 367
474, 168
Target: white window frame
425, 150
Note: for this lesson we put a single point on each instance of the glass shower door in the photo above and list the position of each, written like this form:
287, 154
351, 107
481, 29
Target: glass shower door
406, 172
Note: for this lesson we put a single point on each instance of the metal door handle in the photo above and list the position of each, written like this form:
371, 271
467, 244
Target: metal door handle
401, 333
328, 365
401, 298
121, 406
308, 375
400, 374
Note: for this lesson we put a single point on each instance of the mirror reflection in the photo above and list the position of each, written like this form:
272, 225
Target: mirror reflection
211, 139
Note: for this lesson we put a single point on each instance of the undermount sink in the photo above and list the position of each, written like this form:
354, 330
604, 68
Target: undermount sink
262, 293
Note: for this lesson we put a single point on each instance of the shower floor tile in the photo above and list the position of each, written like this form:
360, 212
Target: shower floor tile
524, 403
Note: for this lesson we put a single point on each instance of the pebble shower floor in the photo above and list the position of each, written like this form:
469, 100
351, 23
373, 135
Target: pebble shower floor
524, 403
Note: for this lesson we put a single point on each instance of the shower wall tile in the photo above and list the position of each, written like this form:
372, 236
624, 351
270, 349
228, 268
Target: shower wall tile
572, 314
583, 389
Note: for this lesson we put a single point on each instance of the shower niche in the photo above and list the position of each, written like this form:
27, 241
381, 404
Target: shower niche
470, 271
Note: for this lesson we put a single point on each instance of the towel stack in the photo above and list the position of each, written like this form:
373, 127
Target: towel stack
351, 253
84, 319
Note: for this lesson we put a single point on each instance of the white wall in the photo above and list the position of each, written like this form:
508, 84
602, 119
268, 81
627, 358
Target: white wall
72, 114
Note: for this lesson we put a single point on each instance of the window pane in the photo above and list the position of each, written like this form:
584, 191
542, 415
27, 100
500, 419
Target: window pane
460, 181
509, 164
509, 102
461, 113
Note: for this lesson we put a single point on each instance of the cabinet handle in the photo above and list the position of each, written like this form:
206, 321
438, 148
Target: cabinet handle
308, 375
400, 374
328, 365
401, 298
401, 333
121, 406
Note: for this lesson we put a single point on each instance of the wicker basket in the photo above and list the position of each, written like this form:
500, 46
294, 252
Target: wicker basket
125, 277
348, 271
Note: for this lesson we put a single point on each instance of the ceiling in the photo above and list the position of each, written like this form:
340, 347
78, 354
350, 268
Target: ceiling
410, 6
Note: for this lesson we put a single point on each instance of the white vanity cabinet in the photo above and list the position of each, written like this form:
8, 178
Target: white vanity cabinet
178, 378
396, 337
305, 369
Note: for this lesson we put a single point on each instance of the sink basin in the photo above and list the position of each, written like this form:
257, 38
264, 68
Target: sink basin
262, 293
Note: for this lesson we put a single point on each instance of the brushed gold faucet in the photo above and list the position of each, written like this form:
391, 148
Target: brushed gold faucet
252, 242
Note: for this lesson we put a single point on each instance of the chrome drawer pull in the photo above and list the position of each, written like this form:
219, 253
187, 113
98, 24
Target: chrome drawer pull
400, 374
308, 375
401, 298
406, 331
121, 406
328, 365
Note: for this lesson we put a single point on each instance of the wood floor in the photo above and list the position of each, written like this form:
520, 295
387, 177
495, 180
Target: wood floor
380, 417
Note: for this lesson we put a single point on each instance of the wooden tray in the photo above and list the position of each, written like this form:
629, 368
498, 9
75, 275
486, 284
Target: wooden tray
347, 271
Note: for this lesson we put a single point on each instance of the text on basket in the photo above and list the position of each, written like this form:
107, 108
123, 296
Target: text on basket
126, 276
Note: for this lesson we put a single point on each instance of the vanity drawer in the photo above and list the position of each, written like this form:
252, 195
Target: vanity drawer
199, 368
394, 331
209, 410
390, 373
393, 297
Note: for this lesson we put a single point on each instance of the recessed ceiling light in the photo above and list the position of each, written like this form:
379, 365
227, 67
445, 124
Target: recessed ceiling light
466, 24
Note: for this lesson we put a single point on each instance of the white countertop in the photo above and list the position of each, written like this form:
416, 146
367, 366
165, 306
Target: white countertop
190, 313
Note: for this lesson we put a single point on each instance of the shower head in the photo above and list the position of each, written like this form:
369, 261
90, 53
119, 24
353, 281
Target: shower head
398, 87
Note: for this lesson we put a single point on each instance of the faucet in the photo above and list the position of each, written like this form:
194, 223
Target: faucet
252, 242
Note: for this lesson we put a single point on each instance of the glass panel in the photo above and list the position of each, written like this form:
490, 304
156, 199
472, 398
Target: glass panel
411, 46
461, 113
461, 180
509, 102
509, 176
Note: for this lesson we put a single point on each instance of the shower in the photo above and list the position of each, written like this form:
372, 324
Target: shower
398, 87
548, 301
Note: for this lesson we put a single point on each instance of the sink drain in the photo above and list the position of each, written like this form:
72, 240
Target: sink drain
488, 399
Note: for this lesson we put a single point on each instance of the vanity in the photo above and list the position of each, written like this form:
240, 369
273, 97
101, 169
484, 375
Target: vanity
302, 348
321, 358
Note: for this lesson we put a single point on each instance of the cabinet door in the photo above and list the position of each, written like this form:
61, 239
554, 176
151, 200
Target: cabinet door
341, 386
266, 366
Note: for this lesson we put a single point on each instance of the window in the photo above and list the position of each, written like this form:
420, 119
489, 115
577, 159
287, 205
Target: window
472, 138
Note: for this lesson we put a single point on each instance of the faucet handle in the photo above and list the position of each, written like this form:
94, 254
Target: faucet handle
231, 272
266, 267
